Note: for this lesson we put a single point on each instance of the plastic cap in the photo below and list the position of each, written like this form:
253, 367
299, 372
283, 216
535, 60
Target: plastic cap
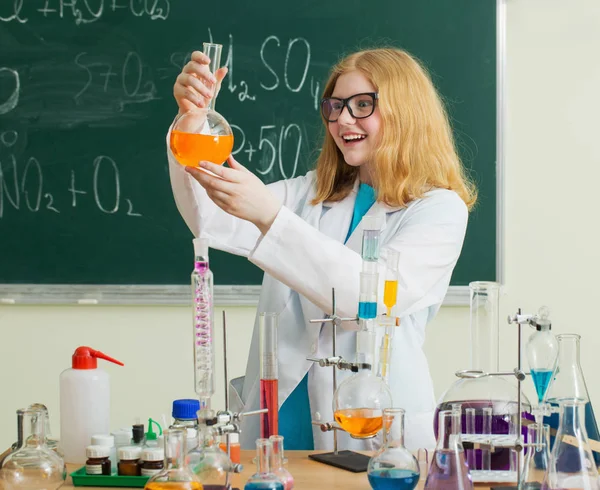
151, 435
137, 432
153, 454
129, 452
122, 437
103, 440
97, 452
201, 247
87, 358
185, 409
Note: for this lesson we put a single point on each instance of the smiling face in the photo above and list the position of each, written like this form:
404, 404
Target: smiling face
356, 138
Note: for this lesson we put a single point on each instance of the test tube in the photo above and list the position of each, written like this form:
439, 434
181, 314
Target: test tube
370, 241
486, 455
268, 323
390, 290
470, 422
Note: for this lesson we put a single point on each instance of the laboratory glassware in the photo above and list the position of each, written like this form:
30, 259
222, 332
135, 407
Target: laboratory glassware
542, 354
277, 463
33, 466
568, 383
269, 375
211, 465
393, 466
203, 324
263, 479
51, 441
389, 323
537, 457
449, 469
489, 403
202, 134
175, 475
572, 463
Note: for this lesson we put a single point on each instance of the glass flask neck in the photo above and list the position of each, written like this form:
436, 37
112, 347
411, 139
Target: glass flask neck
568, 350
213, 51
572, 419
484, 306
175, 448
34, 428
449, 429
263, 455
276, 452
393, 424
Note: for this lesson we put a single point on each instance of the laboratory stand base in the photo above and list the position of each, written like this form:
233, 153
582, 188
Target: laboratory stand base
345, 460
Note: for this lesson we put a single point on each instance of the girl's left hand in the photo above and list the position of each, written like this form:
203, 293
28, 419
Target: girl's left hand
239, 192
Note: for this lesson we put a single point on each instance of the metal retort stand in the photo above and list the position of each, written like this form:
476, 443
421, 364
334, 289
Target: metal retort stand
346, 460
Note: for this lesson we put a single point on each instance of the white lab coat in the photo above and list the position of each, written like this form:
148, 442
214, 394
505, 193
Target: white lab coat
304, 256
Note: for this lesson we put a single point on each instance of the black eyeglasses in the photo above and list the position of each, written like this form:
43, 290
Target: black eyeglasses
359, 106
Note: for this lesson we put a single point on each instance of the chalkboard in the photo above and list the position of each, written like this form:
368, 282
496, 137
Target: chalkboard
86, 100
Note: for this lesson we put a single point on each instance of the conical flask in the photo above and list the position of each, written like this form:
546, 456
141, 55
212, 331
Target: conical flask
537, 458
176, 475
33, 466
489, 403
572, 463
202, 134
568, 383
449, 469
393, 466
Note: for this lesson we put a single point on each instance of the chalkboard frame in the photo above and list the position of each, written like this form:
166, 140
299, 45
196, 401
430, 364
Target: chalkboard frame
240, 295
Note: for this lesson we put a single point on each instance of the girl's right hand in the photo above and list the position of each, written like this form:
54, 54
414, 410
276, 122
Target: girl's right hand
196, 85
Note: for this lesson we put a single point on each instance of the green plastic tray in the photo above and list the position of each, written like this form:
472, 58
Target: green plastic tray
80, 479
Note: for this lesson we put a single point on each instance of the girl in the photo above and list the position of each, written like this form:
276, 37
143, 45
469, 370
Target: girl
388, 151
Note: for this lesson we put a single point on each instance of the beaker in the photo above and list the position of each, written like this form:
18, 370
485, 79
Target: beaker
277, 460
263, 479
176, 475
202, 134
33, 466
489, 403
449, 469
572, 463
542, 354
393, 466
269, 374
210, 464
568, 383
537, 457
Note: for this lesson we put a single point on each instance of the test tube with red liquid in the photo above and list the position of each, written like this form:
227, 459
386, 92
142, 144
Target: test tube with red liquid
269, 375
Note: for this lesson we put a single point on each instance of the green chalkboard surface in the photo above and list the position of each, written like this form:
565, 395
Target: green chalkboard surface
86, 100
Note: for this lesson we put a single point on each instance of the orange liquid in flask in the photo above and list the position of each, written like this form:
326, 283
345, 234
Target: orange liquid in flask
191, 148
174, 485
360, 422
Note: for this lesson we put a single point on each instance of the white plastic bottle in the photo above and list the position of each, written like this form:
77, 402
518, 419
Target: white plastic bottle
84, 403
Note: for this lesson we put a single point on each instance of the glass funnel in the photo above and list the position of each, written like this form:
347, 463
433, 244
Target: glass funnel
393, 466
542, 354
489, 404
33, 466
202, 134
263, 479
176, 475
449, 469
572, 464
211, 465
537, 457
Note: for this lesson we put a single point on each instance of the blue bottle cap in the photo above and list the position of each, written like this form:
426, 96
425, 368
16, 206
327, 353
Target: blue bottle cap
185, 409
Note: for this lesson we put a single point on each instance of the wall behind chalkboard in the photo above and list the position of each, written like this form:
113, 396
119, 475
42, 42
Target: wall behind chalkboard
86, 100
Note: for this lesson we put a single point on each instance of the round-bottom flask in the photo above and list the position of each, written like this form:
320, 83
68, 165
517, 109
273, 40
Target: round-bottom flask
175, 476
202, 134
358, 404
393, 466
33, 466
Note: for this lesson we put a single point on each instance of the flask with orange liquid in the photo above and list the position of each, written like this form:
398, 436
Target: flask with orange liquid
202, 134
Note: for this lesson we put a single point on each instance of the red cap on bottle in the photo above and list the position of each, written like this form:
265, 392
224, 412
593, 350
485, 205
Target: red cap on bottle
87, 358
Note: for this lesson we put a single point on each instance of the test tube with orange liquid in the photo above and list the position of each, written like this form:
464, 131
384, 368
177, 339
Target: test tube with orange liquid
202, 134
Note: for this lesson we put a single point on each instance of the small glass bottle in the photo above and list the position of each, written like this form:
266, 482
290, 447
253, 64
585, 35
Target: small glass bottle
98, 462
263, 479
32, 464
129, 457
175, 476
209, 463
393, 466
152, 461
449, 470
137, 435
277, 461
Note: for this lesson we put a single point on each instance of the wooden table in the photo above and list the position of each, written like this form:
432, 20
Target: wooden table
308, 475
